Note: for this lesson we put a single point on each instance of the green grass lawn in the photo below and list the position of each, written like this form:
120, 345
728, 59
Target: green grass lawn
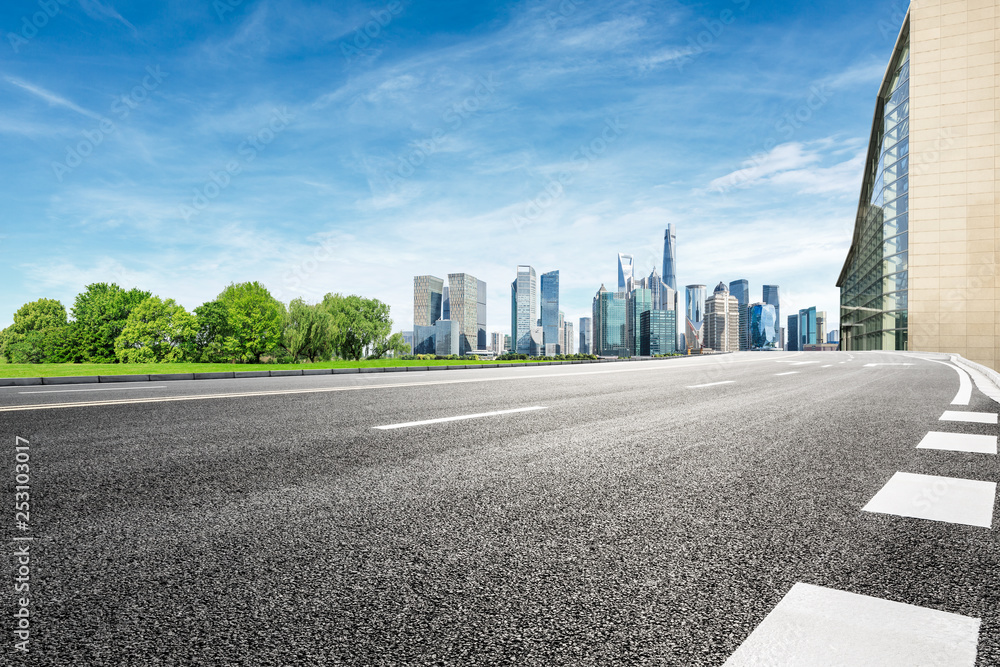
62, 370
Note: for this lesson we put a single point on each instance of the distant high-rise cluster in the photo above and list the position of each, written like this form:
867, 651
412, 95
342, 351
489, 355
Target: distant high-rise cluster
456, 328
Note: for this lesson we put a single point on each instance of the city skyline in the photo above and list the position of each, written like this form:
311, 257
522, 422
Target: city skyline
154, 204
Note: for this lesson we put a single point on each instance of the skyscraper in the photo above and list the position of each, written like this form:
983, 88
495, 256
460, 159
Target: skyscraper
771, 296
626, 272
657, 332
569, 339
497, 343
821, 326
463, 291
793, 333
807, 327
763, 327
639, 301
609, 324
586, 339
445, 305
550, 313
523, 306
695, 315
427, 298
670, 257
741, 290
722, 321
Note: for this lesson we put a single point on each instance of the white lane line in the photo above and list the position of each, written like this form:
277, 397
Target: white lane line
710, 384
948, 499
69, 391
670, 365
827, 366
964, 394
803, 363
970, 417
788, 373
819, 626
842, 362
459, 418
960, 442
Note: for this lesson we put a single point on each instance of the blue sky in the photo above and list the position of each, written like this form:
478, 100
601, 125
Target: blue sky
346, 147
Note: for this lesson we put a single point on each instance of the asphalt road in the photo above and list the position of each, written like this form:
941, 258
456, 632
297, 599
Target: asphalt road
640, 517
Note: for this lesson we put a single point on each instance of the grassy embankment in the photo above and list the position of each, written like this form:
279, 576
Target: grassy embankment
62, 370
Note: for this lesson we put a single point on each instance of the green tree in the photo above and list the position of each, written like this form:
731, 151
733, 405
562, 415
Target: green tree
213, 328
156, 331
395, 343
309, 331
101, 312
32, 317
254, 321
360, 323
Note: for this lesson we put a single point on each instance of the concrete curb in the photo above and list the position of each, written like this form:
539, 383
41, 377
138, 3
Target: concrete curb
988, 373
228, 375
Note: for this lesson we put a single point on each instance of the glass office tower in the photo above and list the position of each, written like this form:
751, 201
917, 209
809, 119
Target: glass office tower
770, 294
807, 327
427, 299
523, 305
639, 301
609, 324
626, 272
463, 293
670, 257
550, 312
763, 327
695, 316
793, 333
741, 290
874, 281
586, 337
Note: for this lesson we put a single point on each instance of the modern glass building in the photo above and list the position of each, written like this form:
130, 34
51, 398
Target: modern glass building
447, 338
639, 301
445, 305
657, 332
793, 333
874, 281
763, 327
427, 300
741, 290
463, 293
586, 338
481, 315
626, 272
550, 312
694, 316
670, 257
523, 306
770, 296
609, 324
423, 339
807, 327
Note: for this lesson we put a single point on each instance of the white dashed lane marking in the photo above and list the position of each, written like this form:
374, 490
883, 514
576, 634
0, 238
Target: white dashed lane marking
788, 373
960, 442
458, 418
818, 626
970, 417
947, 499
711, 384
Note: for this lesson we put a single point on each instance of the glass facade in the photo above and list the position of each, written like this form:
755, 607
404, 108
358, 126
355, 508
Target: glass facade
523, 304
807, 327
695, 316
770, 296
793, 333
481, 314
550, 312
447, 337
670, 257
427, 300
657, 332
640, 300
763, 327
586, 341
625, 272
609, 324
873, 283
741, 290
423, 339
463, 293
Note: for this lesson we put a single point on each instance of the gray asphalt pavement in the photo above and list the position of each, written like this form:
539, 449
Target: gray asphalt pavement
652, 513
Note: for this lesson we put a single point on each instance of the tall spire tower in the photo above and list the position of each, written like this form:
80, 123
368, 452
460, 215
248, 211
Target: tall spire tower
670, 257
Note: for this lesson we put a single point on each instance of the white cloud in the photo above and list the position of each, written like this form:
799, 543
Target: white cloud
52, 98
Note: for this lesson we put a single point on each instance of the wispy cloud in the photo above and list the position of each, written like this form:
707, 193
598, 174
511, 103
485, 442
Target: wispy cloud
50, 97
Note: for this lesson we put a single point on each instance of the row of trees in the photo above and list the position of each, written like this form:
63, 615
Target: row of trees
243, 324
